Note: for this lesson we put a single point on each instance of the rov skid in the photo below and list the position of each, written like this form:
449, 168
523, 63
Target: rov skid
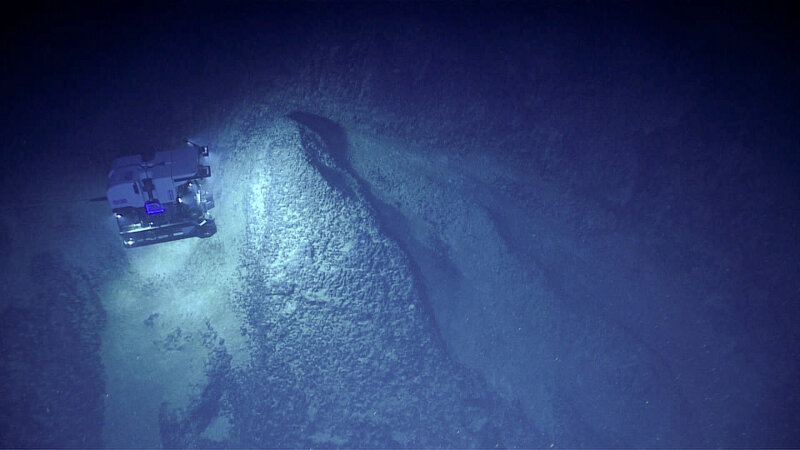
162, 199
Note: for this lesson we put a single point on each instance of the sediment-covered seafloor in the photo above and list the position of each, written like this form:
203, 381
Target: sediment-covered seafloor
439, 225
51, 375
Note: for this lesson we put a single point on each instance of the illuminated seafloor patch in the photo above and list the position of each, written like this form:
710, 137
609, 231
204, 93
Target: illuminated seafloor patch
299, 324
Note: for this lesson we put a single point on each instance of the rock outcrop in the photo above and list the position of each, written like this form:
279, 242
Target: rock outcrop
344, 350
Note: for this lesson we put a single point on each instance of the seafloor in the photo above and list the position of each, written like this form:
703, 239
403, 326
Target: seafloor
532, 225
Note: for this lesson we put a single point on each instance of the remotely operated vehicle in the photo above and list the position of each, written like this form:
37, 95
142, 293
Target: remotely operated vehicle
162, 199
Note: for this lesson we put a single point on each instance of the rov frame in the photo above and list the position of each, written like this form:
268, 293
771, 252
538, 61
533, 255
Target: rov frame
162, 199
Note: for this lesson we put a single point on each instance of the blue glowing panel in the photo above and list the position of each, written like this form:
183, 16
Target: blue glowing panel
154, 208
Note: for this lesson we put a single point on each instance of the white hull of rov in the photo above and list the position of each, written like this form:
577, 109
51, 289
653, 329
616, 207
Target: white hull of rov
162, 199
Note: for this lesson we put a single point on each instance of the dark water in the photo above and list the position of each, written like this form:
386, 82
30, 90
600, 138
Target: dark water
561, 224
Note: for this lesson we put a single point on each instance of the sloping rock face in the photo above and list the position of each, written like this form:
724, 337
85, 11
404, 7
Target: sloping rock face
344, 351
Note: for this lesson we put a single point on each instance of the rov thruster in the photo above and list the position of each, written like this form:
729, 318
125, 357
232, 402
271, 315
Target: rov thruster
162, 199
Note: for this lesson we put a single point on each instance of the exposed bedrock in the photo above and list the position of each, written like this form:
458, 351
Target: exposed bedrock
344, 351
